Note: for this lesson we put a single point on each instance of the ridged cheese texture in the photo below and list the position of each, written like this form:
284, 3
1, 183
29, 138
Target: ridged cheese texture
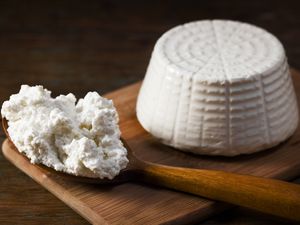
218, 87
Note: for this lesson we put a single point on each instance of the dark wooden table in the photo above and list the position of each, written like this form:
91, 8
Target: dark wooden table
78, 46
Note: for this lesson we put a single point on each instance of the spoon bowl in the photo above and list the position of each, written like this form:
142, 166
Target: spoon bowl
266, 195
125, 175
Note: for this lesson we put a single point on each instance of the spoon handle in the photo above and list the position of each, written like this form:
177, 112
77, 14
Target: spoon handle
266, 195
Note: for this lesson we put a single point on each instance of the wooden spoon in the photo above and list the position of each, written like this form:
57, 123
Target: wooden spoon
266, 195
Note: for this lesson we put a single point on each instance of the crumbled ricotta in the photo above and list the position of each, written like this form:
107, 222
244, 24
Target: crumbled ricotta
81, 139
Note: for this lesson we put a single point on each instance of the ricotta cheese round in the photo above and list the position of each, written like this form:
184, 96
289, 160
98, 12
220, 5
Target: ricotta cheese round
218, 87
80, 139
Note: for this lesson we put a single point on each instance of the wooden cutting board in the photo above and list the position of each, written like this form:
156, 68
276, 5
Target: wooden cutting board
137, 203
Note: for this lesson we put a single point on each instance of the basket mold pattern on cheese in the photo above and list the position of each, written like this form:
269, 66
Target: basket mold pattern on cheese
218, 87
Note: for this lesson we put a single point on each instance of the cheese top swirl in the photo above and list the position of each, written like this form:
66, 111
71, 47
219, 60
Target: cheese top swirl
218, 87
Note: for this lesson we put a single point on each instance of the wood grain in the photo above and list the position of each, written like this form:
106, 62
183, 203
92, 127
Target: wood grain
265, 195
136, 203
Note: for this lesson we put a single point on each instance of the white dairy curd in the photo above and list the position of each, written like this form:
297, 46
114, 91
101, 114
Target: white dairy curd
81, 139
218, 87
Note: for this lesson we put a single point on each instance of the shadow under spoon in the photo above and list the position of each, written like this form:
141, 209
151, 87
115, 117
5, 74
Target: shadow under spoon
262, 194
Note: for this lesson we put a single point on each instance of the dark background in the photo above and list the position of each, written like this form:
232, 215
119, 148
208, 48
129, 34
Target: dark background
79, 46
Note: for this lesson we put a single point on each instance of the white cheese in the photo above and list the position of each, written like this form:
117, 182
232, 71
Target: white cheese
81, 139
218, 87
